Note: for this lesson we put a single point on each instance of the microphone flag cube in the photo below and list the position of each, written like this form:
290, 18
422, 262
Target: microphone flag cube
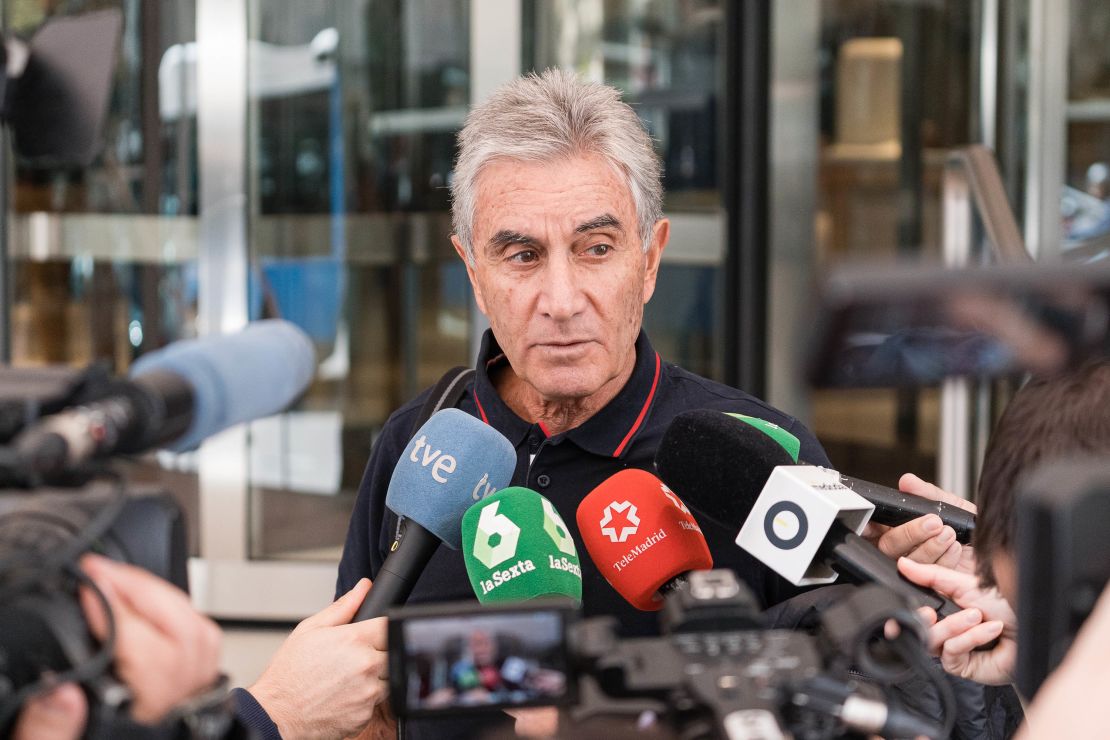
516, 546
795, 510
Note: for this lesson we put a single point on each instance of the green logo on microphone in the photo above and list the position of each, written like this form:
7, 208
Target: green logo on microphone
495, 526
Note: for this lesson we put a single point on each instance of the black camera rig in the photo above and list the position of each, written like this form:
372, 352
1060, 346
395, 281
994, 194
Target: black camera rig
716, 671
44, 637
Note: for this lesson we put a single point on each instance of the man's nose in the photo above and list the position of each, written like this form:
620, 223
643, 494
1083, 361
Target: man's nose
561, 295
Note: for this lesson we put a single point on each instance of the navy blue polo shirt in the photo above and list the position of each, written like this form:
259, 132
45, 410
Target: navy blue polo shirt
565, 467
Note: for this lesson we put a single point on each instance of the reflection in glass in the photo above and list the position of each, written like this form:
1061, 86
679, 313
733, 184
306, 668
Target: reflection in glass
1085, 200
882, 149
668, 61
354, 109
103, 258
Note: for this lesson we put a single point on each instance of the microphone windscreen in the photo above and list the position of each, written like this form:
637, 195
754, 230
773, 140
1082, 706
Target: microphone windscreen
236, 377
452, 461
640, 535
717, 463
785, 439
516, 546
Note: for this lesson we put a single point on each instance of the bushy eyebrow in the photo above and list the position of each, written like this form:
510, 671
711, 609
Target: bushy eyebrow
604, 221
508, 237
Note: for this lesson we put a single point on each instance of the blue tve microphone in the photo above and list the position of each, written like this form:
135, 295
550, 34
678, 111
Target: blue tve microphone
451, 462
177, 396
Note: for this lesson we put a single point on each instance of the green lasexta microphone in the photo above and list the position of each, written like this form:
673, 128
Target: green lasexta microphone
517, 547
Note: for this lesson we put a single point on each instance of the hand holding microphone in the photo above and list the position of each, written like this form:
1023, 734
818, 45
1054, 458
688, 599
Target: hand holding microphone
987, 620
893, 509
799, 520
926, 539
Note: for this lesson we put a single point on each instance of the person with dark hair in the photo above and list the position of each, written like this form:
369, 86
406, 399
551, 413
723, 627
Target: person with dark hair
1050, 417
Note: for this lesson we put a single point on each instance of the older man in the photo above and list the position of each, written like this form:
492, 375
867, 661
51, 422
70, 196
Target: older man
557, 208
557, 216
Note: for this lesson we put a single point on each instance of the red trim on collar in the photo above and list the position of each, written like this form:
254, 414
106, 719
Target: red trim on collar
643, 411
543, 428
478, 403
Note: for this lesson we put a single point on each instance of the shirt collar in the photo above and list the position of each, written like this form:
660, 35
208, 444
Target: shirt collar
609, 432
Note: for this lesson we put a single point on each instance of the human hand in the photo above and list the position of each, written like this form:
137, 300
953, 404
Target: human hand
165, 651
926, 539
329, 674
985, 616
59, 714
535, 722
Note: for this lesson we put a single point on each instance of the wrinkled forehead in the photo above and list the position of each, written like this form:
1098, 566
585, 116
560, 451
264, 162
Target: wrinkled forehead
564, 187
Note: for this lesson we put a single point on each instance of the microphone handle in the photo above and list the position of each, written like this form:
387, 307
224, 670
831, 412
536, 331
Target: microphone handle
895, 507
859, 558
411, 551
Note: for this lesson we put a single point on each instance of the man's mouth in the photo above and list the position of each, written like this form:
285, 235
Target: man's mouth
562, 343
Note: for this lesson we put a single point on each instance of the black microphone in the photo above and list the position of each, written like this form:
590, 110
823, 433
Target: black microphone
727, 470
896, 507
892, 507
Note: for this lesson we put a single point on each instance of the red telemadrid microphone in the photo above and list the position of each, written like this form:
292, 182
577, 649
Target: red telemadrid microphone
641, 536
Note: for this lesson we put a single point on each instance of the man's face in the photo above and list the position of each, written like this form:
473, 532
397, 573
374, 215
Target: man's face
559, 270
482, 648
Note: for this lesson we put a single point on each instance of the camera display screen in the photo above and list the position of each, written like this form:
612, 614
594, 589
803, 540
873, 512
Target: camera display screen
484, 661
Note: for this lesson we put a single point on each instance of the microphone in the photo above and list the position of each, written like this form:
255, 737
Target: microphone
517, 547
641, 536
177, 396
892, 507
451, 460
798, 520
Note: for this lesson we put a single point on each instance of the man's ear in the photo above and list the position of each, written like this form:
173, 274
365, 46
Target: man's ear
660, 235
461, 251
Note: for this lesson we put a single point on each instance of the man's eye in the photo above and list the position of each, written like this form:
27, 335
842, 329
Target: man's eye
599, 250
524, 257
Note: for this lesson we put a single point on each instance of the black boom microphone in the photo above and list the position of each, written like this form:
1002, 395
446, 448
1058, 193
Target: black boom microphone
723, 468
892, 507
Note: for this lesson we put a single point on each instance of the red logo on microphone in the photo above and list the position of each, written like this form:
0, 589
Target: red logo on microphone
628, 522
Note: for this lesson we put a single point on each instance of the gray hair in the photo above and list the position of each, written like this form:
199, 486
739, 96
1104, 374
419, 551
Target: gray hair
548, 116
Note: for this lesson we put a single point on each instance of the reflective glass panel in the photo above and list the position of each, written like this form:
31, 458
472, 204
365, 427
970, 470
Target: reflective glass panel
353, 111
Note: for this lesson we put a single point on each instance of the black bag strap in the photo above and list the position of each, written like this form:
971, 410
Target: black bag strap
446, 394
